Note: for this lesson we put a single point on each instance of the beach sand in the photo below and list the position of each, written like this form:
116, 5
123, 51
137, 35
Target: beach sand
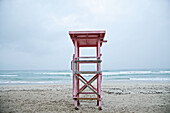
117, 97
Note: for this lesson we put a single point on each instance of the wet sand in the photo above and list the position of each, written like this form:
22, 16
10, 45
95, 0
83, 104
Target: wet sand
117, 98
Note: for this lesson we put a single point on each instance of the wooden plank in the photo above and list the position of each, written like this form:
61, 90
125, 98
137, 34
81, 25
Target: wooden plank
88, 72
87, 32
88, 61
86, 98
89, 57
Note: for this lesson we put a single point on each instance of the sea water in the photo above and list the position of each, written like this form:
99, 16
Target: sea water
27, 77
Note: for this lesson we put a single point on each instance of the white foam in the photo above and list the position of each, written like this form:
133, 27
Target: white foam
53, 73
166, 72
110, 73
28, 82
127, 72
135, 72
8, 75
150, 79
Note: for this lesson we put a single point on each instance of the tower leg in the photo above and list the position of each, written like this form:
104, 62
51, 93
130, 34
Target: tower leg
75, 90
78, 66
97, 102
75, 103
99, 81
78, 103
97, 90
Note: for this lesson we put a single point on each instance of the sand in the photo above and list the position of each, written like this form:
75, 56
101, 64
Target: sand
117, 97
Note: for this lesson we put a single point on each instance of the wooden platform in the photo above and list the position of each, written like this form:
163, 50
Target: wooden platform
86, 98
88, 61
88, 72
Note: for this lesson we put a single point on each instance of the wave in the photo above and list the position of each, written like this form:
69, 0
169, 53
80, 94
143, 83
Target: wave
8, 75
135, 72
111, 73
30, 82
55, 73
166, 72
150, 79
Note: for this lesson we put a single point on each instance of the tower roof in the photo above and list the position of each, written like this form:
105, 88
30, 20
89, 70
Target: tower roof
87, 38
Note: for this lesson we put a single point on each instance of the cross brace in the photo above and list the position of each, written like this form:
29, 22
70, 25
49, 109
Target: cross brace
87, 85
88, 82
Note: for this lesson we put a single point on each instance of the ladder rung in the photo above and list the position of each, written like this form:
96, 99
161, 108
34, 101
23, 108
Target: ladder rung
88, 57
88, 61
86, 98
88, 72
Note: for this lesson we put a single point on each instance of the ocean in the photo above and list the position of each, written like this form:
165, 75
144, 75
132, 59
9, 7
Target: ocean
27, 77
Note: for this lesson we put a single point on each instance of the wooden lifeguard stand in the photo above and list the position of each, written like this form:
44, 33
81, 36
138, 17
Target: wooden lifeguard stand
86, 39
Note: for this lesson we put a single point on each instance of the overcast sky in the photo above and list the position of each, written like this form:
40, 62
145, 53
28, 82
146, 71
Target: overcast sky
34, 33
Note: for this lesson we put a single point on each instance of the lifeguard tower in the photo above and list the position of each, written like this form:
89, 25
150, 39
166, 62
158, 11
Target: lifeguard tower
86, 39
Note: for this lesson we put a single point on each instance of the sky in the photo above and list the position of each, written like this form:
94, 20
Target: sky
34, 33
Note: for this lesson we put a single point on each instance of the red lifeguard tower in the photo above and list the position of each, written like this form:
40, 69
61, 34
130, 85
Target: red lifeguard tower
86, 39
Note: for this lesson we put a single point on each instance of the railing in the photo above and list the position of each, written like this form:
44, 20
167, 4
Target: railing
85, 60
